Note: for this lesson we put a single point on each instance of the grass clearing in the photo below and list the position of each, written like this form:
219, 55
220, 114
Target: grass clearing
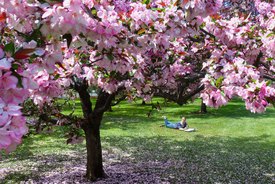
231, 145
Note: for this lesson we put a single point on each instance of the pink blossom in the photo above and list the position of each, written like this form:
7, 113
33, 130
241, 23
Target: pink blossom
4, 118
263, 7
5, 139
2, 53
14, 96
5, 64
263, 91
18, 126
8, 81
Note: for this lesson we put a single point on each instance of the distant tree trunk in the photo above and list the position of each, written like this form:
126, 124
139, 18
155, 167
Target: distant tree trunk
203, 107
110, 109
91, 127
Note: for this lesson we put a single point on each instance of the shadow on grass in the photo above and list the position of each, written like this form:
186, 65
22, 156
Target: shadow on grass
202, 160
38, 166
42, 143
157, 159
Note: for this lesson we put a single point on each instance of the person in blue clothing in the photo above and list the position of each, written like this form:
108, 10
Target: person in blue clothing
182, 125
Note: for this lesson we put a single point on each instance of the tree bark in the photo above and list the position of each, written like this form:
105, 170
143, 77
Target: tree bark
203, 107
91, 127
94, 168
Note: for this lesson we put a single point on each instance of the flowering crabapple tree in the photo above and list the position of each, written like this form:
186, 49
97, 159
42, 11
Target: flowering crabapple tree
168, 48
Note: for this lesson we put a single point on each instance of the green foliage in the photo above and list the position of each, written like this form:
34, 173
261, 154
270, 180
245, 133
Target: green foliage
146, 1
270, 34
10, 48
110, 56
219, 81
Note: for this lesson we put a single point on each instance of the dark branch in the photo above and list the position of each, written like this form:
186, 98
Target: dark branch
103, 102
179, 99
99, 59
81, 86
269, 77
258, 59
191, 78
186, 97
207, 33
195, 39
119, 100
165, 95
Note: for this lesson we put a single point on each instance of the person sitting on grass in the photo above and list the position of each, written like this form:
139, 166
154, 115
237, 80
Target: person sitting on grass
182, 125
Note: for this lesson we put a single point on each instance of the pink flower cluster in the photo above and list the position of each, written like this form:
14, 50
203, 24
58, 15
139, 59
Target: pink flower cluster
201, 7
47, 89
12, 123
230, 79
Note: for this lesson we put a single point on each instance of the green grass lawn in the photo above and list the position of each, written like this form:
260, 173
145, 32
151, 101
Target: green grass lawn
231, 145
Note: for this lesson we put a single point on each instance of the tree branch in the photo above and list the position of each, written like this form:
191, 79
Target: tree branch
269, 77
186, 97
119, 100
258, 59
207, 33
81, 86
103, 102
179, 99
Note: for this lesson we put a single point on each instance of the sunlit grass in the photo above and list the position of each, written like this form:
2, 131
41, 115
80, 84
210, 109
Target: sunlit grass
231, 145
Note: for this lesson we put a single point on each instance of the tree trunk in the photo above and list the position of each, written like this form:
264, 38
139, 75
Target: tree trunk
94, 151
91, 127
203, 107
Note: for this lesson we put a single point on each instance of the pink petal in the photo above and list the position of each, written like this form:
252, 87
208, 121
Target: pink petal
14, 110
2, 53
5, 64
4, 118
5, 141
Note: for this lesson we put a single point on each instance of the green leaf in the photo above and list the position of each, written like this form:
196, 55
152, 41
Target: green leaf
145, 1
134, 58
270, 34
10, 48
56, 76
219, 81
94, 11
141, 31
253, 27
158, 9
212, 82
15, 66
110, 56
97, 54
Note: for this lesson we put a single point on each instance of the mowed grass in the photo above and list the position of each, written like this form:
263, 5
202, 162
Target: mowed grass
231, 145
